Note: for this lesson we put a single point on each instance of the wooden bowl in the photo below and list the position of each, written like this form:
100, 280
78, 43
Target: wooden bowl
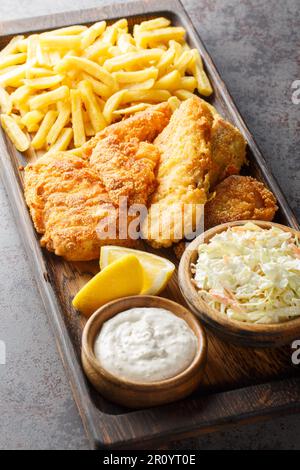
243, 334
141, 395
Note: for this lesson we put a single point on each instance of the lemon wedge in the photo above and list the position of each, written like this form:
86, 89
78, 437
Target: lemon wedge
157, 270
121, 278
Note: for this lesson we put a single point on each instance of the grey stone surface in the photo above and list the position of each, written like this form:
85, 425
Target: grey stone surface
254, 44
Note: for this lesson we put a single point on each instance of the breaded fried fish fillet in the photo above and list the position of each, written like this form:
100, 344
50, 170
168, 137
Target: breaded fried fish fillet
228, 148
143, 126
240, 198
69, 196
185, 147
67, 201
236, 198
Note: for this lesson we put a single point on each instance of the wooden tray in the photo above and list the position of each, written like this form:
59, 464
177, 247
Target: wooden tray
241, 385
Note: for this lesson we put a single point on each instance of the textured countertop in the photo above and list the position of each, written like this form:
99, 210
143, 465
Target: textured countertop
254, 43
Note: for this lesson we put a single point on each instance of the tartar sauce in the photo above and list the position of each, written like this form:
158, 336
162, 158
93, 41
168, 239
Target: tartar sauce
145, 345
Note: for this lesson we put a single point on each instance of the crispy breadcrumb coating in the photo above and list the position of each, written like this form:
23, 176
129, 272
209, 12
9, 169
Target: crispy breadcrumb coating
240, 198
185, 147
69, 196
198, 149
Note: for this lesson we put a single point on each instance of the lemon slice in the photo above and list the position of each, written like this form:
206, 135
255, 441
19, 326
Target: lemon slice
157, 270
121, 278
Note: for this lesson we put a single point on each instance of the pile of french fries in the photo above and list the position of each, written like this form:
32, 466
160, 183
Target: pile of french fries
59, 88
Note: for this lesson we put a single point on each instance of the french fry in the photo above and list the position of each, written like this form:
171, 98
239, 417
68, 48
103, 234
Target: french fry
166, 61
15, 76
49, 97
99, 48
110, 36
203, 83
61, 42
136, 76
101, 102
18, 119
131, 109
133, 58
23, 107
136, 31
39, 139
76, 151
170, 81
126, 43
114, 51
101, 59
66, 31
36, 72
44, 82
43, 58
121, 24
92, 106
182, 63
197, 60
7, 69
183, 94
12, 59
163, 35
188, 83
186, 47
63, 141
111, 105
146, 85
89, 67
90, 35
32, 44
20, 94
22, 45
174, 102
155, 96
77, 118
60, 105
31, 120
54, 57
12, 46
69, 82
177, 47
15, 133
61, 121
99, 88
154, 24
5, 101
89, 130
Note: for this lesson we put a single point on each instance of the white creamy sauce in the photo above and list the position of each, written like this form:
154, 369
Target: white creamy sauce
145, 345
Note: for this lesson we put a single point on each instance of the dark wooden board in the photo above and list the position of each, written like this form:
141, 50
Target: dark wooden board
241, 385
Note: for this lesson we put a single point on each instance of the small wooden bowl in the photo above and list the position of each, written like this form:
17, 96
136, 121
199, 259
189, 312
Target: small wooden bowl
141, 395
243, 334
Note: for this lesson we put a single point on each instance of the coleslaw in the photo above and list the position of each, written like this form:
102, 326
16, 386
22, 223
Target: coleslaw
251, 274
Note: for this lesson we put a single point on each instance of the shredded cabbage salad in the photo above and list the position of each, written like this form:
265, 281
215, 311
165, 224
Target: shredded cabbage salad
251, 274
